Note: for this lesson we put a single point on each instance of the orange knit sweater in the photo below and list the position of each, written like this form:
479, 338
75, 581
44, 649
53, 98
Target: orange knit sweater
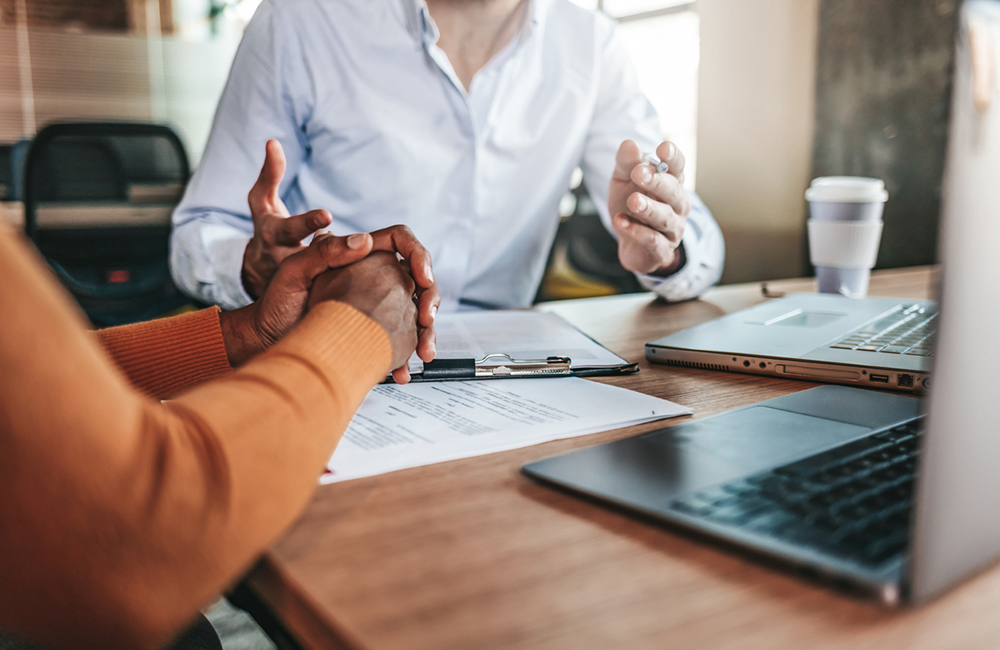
122, 515
163, 357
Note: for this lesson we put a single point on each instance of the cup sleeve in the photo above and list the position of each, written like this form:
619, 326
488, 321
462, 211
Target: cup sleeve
844, 244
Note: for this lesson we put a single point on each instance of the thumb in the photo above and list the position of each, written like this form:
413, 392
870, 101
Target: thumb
336, 252
265, 190
325, 252
626, 159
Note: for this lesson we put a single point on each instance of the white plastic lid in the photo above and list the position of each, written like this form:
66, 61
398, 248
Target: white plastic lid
847, 189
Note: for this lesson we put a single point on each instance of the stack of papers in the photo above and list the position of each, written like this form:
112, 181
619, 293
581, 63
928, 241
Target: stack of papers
398, 427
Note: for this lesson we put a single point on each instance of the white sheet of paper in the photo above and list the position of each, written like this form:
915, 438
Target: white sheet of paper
522, 334
398, 427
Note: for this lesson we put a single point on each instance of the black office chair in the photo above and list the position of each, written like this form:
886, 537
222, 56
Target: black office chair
97, 204
6, 172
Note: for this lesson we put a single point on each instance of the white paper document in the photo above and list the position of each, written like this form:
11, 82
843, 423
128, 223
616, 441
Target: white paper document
522, 334
398, 427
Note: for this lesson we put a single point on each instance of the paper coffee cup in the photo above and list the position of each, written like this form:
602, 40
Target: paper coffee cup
845, 228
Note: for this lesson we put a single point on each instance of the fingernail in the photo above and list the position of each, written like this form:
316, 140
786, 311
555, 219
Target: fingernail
430, 274
671, 150
434, 311
641, 203
356, 241
646, 175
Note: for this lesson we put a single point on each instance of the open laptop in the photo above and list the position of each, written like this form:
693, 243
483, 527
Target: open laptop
878, 342
851, 485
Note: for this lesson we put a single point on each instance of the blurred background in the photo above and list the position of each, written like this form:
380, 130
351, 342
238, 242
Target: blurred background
761, 95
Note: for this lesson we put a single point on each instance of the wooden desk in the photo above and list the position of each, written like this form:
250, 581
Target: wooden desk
471, 554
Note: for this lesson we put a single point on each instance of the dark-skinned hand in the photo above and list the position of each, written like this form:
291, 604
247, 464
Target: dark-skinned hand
381, 288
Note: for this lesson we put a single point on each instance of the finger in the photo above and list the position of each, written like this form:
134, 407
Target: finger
326, 251
664, 188
264, 193
401, 375
658, 216
641, 248
430, 301
289, 231
671, 154
626, 159
342, 251
427, 344
400, 239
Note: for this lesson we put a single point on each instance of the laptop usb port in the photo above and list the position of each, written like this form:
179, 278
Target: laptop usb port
879, 379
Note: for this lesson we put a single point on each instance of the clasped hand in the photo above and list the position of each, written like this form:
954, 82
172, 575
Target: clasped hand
648, 209
386, 275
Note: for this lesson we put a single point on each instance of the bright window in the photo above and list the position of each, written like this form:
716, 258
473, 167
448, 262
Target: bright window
662, 39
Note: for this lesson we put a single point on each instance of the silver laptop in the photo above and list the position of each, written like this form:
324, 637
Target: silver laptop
882, 343
855, 486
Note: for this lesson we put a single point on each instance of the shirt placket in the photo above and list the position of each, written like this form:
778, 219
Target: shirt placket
451, 265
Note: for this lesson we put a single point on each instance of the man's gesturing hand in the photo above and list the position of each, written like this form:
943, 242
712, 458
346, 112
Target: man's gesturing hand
379, 287
276, 233
649, 209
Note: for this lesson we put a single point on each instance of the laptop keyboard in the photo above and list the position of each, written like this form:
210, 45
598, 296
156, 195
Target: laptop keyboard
852, 501
908, 331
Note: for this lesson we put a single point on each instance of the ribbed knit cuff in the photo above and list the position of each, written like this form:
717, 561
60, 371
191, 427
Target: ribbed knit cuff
347, 347
163, 357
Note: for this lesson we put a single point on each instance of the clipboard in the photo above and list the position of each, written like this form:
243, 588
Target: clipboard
468, 345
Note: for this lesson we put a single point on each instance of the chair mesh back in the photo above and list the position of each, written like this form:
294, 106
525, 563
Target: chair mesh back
98, 199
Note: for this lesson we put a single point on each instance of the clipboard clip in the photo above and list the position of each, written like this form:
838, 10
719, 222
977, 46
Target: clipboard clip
548, 367
496, 366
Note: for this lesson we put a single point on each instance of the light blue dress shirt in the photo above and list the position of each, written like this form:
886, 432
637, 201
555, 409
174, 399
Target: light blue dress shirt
378, 129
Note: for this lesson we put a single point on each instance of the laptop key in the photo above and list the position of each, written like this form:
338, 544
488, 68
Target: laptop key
693, 509
772, 522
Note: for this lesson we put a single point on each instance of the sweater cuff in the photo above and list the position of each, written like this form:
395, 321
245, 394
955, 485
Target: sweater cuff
346, 347
162, 357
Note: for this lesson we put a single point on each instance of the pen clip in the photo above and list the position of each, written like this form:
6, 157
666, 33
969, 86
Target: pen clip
548, 367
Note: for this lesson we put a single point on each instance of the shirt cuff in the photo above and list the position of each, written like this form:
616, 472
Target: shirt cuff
701, 269
165, 356
228, 256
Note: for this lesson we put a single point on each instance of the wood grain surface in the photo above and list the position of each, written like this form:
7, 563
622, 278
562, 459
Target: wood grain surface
472, 554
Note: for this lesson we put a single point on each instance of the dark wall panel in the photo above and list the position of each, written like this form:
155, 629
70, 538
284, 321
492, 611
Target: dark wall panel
883, 93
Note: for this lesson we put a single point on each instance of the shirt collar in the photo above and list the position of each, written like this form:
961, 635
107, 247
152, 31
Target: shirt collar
422, 28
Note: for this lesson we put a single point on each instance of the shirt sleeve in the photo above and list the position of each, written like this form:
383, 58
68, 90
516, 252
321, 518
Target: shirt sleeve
165, 356
623, 112
123, 515
264, 98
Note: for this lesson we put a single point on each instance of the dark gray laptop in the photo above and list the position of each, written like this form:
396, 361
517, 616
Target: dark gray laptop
852, 485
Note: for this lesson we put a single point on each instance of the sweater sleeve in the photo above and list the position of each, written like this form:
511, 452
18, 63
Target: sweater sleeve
122, 515
162, 357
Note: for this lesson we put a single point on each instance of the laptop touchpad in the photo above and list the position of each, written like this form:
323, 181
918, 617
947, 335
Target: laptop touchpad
802, 318
761, 437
